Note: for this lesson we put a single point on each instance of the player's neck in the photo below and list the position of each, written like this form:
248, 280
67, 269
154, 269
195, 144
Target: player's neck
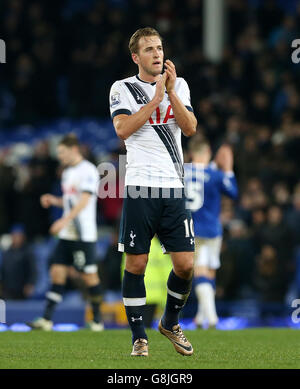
148, 77
77, 160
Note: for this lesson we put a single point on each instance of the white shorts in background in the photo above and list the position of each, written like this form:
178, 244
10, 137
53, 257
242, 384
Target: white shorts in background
207, 252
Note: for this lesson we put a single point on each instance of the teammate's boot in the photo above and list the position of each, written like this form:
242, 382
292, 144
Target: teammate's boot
198, 321
140, 348
176, 336
199, 326
212, 327
213, 324
41, 324
93, 326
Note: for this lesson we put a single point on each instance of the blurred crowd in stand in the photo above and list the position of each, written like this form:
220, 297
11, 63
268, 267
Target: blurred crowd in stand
63, 57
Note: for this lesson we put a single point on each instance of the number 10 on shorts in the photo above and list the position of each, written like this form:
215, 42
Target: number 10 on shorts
189, 228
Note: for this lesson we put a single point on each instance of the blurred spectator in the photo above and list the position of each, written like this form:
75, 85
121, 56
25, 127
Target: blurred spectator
38, 182
277, 234
227, 277
18, 271
258, 222
270, 281
282, 196
7, 194
240, 247
40, 173
293, 216
42, 159
111, 189
109, 267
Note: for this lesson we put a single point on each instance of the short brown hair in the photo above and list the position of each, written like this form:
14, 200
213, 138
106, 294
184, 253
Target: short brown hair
198, 146
141, 32
70, 140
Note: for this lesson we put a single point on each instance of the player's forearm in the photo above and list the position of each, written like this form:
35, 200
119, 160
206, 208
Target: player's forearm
58, 202
126, 126
82, 203
186, 120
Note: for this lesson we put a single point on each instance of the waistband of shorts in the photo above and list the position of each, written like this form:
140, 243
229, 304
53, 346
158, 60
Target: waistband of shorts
136, 191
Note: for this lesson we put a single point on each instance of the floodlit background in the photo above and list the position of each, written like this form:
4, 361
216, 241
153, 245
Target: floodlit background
61, 59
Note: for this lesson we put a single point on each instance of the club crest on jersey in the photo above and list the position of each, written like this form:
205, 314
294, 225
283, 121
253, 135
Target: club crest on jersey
115, 99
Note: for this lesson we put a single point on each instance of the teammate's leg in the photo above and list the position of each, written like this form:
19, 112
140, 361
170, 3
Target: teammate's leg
93, 285
58, 274
207, 261
205, 292
212, 312
134, 296
54, 296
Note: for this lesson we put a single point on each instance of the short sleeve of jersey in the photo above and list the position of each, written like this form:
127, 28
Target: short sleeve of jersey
184, 94
118, 100
89, 181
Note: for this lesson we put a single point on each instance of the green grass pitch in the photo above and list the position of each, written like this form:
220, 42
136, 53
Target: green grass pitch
243, 349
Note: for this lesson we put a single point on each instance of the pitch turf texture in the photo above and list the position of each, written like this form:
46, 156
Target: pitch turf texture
213, 349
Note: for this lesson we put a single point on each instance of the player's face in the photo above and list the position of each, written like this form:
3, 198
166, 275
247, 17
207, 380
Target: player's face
65, 155
204, 156
150, 57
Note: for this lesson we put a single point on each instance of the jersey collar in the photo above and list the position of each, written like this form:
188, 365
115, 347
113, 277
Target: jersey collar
152, 83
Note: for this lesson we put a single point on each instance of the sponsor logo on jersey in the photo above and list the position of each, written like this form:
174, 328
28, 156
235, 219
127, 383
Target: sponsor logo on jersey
168, 115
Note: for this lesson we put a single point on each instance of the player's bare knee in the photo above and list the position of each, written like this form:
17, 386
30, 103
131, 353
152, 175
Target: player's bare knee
183, 264
184, 270
201, 271
211, 274
136, 268
58, 274
90, 279
136, 264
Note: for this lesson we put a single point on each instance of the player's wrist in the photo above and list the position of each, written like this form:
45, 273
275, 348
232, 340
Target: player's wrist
171, 92
155, 102
55, 200
66, 219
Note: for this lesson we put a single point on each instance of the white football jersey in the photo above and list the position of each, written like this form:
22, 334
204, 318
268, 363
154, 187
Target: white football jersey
77, 179
154, 152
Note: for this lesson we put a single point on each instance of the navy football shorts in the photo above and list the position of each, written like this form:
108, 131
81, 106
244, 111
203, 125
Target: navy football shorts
160, 211
81, 255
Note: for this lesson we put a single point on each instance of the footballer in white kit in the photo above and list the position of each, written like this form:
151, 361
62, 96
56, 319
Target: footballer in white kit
154, 153
77, 232
154, 160
77, 179
150, 111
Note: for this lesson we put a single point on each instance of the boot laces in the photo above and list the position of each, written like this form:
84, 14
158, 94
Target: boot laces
140, 344
180, 334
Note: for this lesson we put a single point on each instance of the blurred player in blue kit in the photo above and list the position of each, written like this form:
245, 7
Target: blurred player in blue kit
204, 200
